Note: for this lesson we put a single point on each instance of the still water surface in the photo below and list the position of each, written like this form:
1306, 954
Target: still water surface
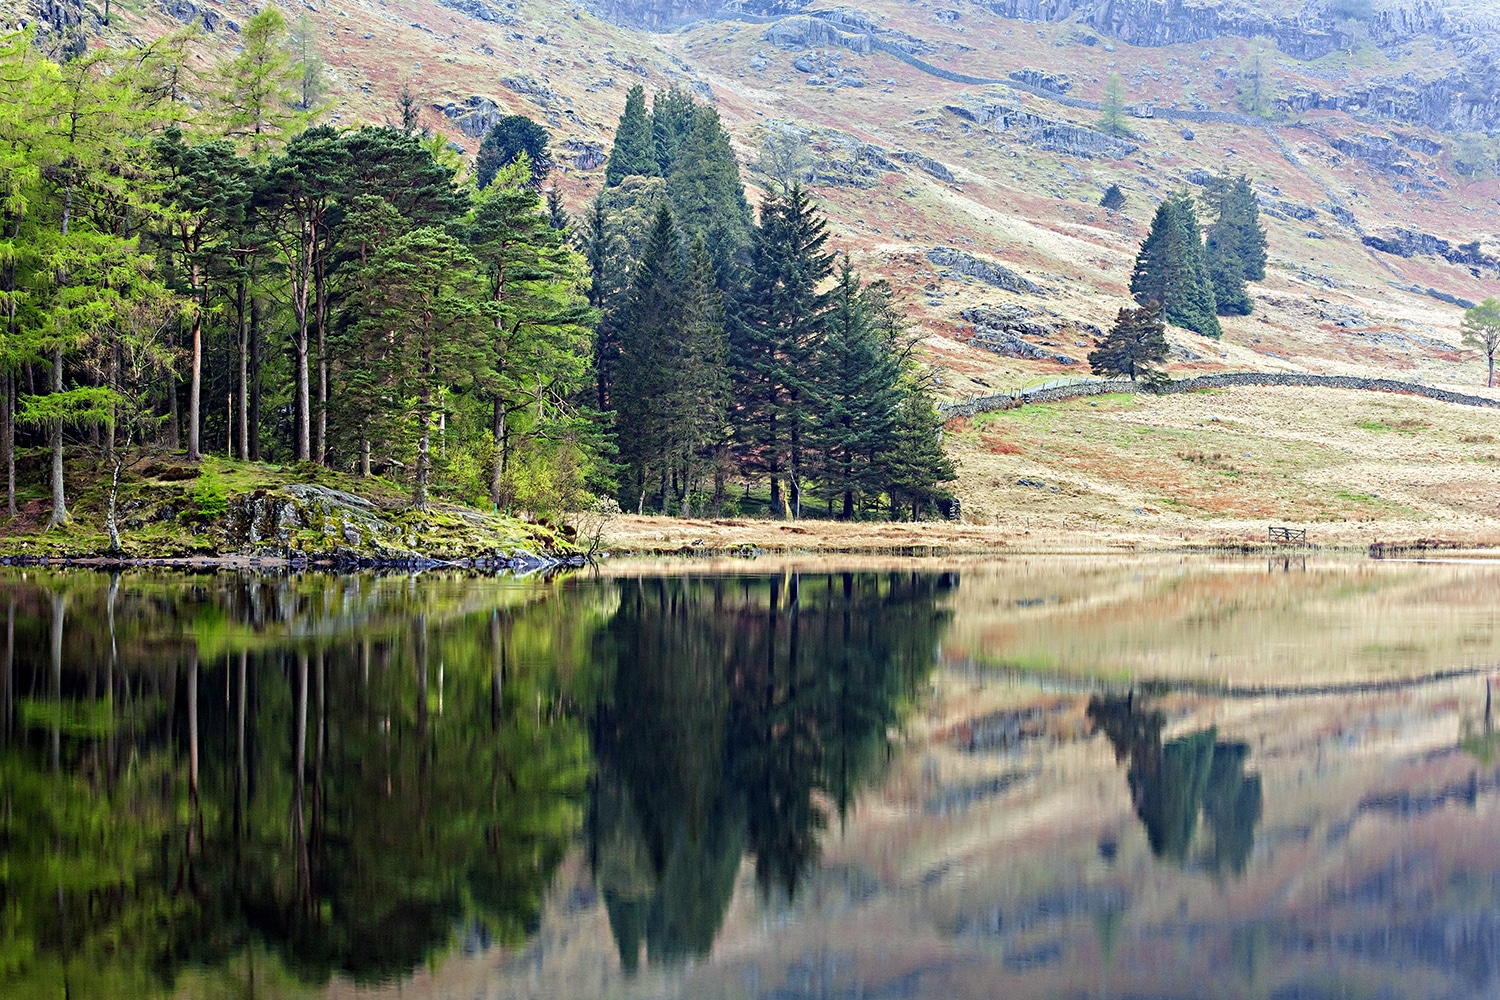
1029, 778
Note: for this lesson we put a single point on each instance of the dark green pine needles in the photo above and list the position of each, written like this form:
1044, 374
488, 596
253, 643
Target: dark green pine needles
1172, 272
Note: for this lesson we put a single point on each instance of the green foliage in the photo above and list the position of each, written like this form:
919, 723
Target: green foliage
209, 499
505, 142
1236, 244
634, 150
1114, 198
1171, 271
1112, 108
1481, 331
1133, 347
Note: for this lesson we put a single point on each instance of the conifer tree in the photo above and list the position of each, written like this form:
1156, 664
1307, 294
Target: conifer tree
915, 464
1114, 198
205, 200
650, 326
779, 331
538, 355
858, 392
1171, 269
707, 195
700, 402
1236, 245
634, 150
673, 115
1133, 347
506, 140
1112, 109
259, 89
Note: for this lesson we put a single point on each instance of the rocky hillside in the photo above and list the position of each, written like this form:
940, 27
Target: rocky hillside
956, 146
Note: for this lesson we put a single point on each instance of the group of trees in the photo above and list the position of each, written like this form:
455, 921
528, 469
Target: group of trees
1185, 279
735, 349
188, 261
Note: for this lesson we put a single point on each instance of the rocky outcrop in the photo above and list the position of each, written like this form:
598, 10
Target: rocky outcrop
926, 164
1407, 243
62, 27
1056, 83
320, 524
803, 32
1000, 329
658, 15
1046, 133
986, 271
480, 11
187, 12
474, 116
582, 154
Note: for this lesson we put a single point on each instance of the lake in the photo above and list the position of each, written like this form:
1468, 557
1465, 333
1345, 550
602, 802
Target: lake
1051, 777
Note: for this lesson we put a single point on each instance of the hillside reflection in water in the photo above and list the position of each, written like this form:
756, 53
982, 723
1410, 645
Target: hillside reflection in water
1053, 780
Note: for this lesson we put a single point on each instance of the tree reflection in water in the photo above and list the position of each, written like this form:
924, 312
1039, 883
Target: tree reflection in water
738, 706
278, 780
1172, 783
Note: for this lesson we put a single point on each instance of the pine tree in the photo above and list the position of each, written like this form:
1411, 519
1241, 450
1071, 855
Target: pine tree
701, 399
1133, 347
1114, 198
537, 359
707, 195
779, 331
915, 464
1236, 244
634, 150
858, 392
649, 325
205, 200
673, 116
1172, 269
506, 140
423, 296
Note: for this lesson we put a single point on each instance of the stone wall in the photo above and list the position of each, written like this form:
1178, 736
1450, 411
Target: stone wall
1056, 393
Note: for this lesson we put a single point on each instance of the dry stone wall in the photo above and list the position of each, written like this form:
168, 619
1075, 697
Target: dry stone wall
1057, 393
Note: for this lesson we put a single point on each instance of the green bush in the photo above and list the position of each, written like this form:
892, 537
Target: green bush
209, 496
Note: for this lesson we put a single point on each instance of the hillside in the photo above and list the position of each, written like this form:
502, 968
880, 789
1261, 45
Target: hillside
955, 152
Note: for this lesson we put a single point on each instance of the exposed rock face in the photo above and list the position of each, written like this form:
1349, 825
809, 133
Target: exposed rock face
1047, 133
1406, 243
655, 15
987, 271
474, 116
999, 329
1453, 103
1057, 83
925, 164
584, 155
60, 27
187, 12
479, 10
802, 32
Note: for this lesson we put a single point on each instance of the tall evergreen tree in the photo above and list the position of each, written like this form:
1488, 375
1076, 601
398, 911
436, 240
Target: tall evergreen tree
1171, 269
649, 327
780, 328
858, 393
915, 464
700, 399
257, 91
673, 114
1236, 245
707, 195
634, 150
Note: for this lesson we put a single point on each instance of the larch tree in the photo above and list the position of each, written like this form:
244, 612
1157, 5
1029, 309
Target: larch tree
257, 92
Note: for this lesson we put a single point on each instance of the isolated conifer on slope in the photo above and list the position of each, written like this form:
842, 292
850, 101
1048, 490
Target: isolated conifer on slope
1135, 344
1114, 198
634, 150
1236, 245
1172, 269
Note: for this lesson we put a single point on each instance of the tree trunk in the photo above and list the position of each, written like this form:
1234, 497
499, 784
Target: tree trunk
255, 380
110, 521
299, 825
243, 339
192, 707
304, 401
364, 456
497, 465
174, 418
195, 383
1492, 371
10, 444
320, 317
59, 497
424, 442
